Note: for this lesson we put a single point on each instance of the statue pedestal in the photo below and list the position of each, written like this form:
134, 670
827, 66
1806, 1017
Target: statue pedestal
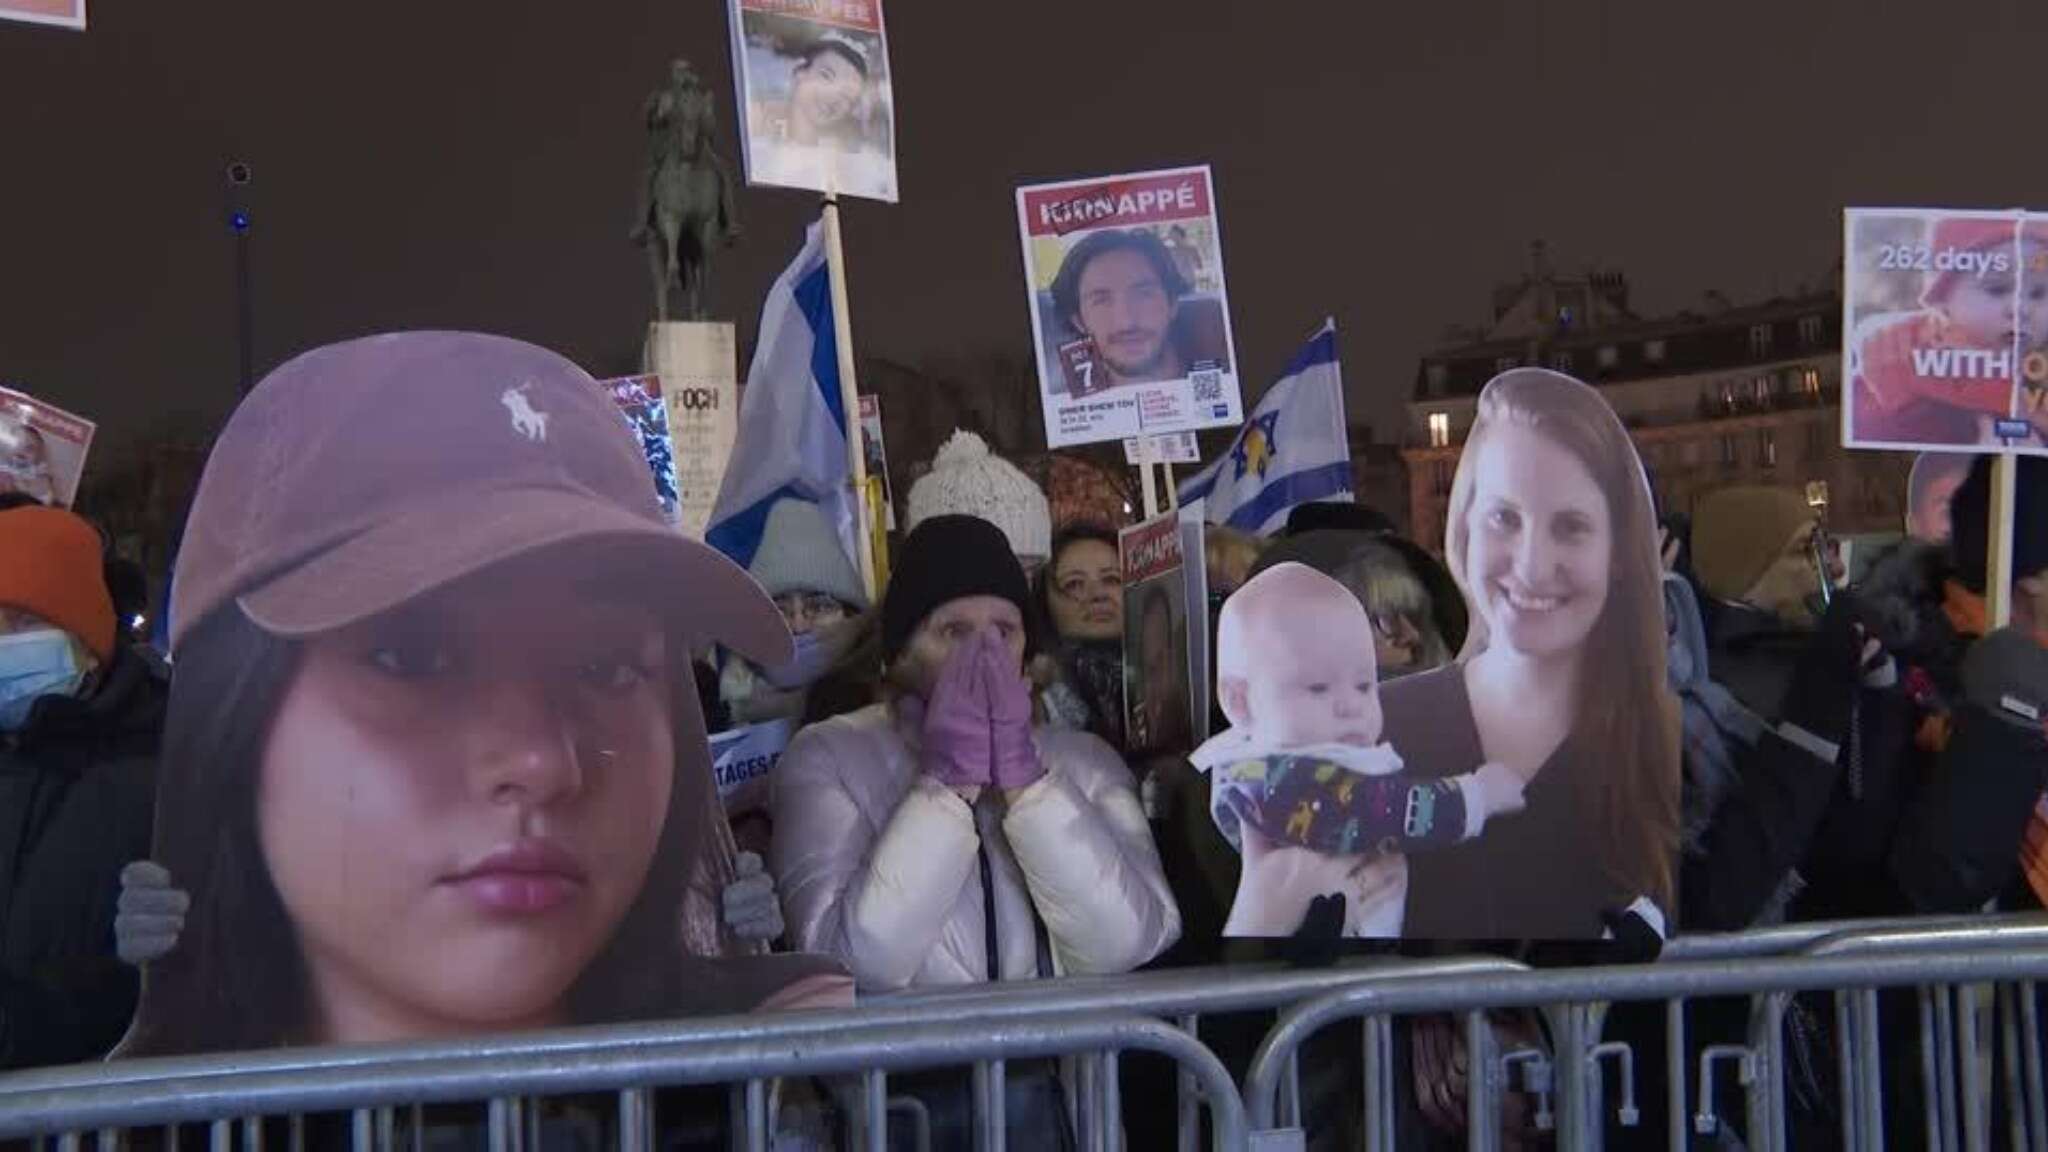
698, 366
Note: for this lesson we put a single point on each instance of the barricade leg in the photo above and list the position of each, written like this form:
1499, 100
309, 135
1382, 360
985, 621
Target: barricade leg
1482, 1085
1930, 1083
1378, 1033
1974, 1097
757, 1116
507, 1123
1112, 1111
1674, 1074
1187, 1126
1568, 1058
2030, 1054
636, 1121
989, 1132
1945, 1065
1764, 1102
1869, 1071
875, 1110
2007, 1030
1088, 1105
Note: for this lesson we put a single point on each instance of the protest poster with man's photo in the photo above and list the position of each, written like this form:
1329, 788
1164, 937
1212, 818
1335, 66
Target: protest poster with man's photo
1157, 712
1945, 330
818, 111
1128, 308
42, 448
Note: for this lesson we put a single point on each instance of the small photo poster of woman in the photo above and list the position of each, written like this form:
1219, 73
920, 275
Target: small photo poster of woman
42, 448
1156, 697
819, 111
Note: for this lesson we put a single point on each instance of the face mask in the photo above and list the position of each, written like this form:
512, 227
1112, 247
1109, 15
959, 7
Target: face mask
33, 665
814, 654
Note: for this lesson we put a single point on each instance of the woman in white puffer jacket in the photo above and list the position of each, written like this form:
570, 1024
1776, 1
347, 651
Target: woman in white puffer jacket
939, 837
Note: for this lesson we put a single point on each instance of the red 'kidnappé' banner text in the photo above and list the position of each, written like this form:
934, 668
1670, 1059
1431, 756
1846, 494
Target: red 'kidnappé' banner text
1159, 199
866, 15
1151, 549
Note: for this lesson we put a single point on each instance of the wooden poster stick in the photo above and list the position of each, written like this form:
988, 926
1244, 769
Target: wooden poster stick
849, 393
1998, 564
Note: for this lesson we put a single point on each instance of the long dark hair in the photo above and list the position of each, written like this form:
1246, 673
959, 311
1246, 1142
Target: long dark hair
1630, 723
237, 978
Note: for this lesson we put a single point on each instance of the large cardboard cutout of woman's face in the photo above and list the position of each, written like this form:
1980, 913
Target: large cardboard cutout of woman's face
1528, 790
477, 797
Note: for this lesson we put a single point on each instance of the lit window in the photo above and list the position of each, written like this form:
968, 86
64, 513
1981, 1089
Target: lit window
1653, 351
1439, 429
1608, 356
1809, 383
1561, 362
1760, 339
1763, 389
1767, 448
1810, 330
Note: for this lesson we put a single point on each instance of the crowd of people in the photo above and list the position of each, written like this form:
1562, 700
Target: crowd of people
440, 687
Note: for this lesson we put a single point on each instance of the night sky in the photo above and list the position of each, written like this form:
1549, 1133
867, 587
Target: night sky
475, 165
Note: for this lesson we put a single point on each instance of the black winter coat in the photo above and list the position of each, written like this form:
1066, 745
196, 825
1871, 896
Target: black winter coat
77, 797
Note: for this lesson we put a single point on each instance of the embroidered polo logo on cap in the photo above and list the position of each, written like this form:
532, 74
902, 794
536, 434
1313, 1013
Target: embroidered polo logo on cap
526, 420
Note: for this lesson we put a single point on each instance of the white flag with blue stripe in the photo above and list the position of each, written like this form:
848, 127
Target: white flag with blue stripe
791, 441
1293, 449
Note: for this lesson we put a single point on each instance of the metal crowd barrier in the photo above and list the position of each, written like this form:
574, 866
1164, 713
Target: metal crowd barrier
80, 1105
1089, 1020
1855, 965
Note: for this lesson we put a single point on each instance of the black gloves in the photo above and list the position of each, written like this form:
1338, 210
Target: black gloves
1320, 940
1829, 672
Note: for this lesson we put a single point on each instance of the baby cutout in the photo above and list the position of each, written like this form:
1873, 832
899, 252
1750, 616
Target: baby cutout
1303, 766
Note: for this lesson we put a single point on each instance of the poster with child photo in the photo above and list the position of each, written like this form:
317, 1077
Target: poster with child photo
1945, 322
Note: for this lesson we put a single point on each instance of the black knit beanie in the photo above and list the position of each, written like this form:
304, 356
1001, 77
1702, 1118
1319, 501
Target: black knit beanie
1969, 517
947, 558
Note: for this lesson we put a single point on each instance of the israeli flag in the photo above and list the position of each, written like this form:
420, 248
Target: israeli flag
792, 428
1292, 450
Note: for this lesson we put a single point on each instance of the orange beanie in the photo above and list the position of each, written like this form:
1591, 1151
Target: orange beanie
50, 565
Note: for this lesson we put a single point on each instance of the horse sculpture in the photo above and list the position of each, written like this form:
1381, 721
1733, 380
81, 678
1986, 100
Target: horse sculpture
687, 208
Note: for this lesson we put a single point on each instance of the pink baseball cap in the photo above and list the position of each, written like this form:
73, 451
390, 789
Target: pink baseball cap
363, 475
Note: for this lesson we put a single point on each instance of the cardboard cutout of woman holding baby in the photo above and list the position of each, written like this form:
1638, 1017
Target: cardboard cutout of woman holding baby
1527, 791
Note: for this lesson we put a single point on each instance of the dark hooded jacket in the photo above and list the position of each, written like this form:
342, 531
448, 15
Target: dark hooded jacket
77, 796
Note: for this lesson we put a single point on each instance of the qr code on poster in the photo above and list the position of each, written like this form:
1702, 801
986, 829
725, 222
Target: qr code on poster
1208, 385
